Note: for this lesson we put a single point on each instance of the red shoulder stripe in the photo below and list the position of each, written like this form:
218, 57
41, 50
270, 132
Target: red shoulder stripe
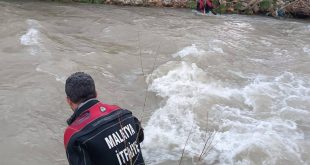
93, 113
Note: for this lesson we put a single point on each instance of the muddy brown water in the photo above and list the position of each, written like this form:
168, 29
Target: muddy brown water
246, 77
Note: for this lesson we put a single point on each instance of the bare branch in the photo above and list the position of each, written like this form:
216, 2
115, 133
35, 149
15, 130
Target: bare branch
186, 144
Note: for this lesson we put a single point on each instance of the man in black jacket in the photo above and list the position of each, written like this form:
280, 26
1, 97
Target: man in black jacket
98, 133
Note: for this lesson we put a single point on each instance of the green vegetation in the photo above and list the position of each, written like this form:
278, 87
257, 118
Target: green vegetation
249, 12
82, 1
192, 4
91, 1
265, 5
215, 2
221, 9
238, 5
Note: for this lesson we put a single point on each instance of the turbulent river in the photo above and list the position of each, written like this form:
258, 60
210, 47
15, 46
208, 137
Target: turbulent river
243, 81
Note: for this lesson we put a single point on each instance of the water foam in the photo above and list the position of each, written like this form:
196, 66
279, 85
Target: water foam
170, 125
306, 49
266, 43
189, 50
216, 46
32, 37
59, 78
257, 132
59, 69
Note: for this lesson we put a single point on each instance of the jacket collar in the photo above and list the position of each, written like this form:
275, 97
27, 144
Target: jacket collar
81, 108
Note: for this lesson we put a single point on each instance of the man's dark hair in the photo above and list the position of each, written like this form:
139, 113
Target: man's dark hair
80, 87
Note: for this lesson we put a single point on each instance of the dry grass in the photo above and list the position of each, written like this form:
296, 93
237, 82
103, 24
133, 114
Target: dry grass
207, 145
146, 86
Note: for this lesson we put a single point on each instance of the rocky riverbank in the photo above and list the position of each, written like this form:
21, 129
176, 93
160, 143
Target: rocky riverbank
275, 8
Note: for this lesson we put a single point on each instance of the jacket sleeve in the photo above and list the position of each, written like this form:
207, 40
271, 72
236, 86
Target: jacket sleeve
78, 155
140, 130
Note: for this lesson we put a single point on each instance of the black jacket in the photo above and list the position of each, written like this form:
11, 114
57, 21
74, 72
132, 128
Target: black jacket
101, 134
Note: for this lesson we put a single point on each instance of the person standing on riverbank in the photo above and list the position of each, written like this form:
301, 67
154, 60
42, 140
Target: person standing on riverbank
209, 7
99, 133
200, 6
205, 6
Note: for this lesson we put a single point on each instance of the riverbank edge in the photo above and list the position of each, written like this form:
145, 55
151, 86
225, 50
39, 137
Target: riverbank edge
274, 8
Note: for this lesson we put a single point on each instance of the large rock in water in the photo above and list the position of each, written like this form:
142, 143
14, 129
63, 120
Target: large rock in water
300, 8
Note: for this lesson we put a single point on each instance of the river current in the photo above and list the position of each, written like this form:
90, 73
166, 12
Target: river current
243, 81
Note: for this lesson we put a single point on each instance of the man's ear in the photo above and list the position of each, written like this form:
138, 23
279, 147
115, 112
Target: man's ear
71, 104
68, 100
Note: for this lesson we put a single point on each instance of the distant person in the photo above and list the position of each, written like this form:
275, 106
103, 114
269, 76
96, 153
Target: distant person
208, 6
98, 133
205, 6
200, 6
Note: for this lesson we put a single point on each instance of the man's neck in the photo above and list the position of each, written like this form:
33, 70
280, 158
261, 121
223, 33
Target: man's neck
85, 102
81, 108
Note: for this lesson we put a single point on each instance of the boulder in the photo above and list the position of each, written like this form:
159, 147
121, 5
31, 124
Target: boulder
256, 9
299, 8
